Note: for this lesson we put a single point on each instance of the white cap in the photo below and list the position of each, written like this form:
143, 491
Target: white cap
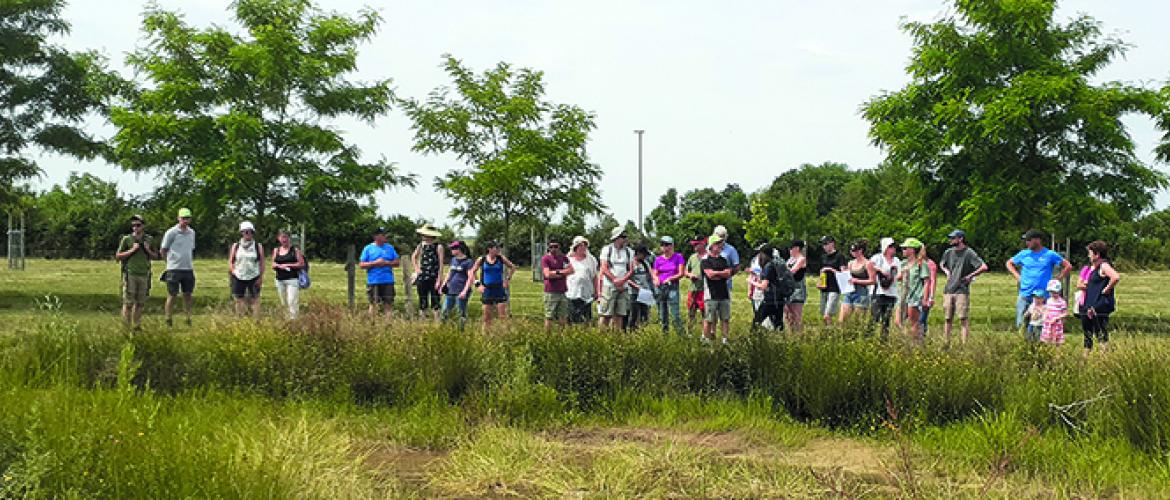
886, 243
1054, 286
247, 226
720, 231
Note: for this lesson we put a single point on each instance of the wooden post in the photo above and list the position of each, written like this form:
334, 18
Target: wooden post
409, 308
351, 272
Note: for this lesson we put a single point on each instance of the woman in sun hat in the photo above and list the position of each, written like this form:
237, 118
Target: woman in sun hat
427, 260
582, 283
245, 266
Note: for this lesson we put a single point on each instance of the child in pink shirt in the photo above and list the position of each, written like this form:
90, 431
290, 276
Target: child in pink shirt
1055, 309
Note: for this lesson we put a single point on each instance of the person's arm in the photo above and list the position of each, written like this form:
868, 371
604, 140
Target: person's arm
871, 272
232, 260
1011, 267
982, 269
654, 276
1065, 268
476, 269
928, 294
394, 261
364, 261
124, 253
275, 265
414, 258
546, 271
801, 263
1108, 271
510, 269
259, 255
166, 245
300, 259
150, 252
442, 252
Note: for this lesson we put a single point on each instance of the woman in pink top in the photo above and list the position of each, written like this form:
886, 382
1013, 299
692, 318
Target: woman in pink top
666, 273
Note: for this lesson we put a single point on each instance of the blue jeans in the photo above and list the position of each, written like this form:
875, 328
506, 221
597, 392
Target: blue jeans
449, 303
925, 317
668, 308
1022, 304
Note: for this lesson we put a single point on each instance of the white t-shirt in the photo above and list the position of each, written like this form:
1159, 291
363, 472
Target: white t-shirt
619, 262
883, 266
580, 283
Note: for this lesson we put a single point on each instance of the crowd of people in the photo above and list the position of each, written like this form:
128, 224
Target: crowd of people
895, 286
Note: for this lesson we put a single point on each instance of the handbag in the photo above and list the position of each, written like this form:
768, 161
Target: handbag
303, 281
1105, 305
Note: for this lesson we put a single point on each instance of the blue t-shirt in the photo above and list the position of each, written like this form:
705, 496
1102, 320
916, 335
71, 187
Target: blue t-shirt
379, 275
457, 280
732, 255
1036, 269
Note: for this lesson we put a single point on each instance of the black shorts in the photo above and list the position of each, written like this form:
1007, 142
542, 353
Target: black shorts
180, 281
245, 288
380, 294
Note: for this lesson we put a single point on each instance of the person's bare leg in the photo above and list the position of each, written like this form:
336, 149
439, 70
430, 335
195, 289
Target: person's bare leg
126, 314
169, 307
948, 325
487, 316
726, 329
708, 330
256, 307
138, 314
239, 306
388, 310
844, 313
502, 313
964, 330
188, 304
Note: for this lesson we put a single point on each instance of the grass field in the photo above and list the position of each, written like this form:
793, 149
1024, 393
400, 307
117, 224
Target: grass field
337, 406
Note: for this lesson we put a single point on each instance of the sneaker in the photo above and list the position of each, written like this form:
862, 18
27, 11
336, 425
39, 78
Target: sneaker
170, 323
724, 340
704, 340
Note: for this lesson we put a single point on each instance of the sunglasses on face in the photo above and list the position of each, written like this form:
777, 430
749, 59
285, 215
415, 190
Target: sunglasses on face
184, 218
247, 231
554, 247
135, 225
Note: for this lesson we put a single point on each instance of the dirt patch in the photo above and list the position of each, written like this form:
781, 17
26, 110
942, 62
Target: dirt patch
409, 465
724, 443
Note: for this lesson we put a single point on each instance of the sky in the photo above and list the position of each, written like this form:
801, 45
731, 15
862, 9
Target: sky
726, 91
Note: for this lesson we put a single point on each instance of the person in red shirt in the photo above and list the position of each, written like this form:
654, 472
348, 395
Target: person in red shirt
555, 268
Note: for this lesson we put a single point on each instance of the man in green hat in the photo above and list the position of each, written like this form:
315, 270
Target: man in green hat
178, 249
135, 251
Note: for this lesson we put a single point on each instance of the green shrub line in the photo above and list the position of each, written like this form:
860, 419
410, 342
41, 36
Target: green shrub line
841, 379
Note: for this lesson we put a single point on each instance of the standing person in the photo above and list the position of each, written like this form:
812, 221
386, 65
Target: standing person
797, 265
616, 271
755, 291
961, 265
916, 285
495, 274
135, 252
729, 253
831, 262
716, 273
667, 272
931, 286
556, 268
1099, 298
427, 261
1034, 317
178, 249
379, 260
1032, 269
642, 279
885, 292
456, 285
245, 265
287, 262
1055, 309
861, 274
694, 271
582, 282
772, 281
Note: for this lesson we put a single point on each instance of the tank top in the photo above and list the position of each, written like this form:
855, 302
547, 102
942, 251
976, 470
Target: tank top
493, 274
860, 273
289, 257
428, 262
247, 260
799, 275
1094, 289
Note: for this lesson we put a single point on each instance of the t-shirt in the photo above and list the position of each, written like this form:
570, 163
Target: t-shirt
580, 283
732, 256
887, 267
180, 247
619, 262
555, 263
667, 268
379, 275
694, 267
715, 289
457, 279
961, 263
1036, 269
139, 263
835, 261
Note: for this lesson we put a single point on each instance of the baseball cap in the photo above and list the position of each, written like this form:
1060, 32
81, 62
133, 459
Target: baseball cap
914, 243
887, 242
1033, 233
380, 230
958, 233
136, 218
1053, 286
618, 232
247, 226
457, 244
666, 239
185, 213
720, 231
1038, 293
797, 244
493, 244
714, 239
699, 241
827, 239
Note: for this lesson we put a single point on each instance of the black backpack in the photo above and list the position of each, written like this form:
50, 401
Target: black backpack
786, 285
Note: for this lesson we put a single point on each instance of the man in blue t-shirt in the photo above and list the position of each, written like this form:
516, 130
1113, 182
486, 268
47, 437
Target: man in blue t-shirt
379, 260
1032, 268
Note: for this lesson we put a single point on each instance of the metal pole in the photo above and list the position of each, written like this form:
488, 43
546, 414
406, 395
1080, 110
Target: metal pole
640, 132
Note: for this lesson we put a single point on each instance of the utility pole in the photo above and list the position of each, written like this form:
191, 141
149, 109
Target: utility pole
640, 228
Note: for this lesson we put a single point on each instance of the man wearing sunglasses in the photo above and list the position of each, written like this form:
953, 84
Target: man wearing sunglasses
178, 249
135, 252
556, 269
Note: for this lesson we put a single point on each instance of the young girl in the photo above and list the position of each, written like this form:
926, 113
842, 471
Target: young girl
1035, 317
1054, 312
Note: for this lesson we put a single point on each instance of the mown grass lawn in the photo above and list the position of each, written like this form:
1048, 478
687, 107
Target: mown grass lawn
337, 406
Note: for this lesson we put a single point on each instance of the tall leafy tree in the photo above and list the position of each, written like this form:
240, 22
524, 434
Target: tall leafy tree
524, 157
1002, 121
45, 91
240, 120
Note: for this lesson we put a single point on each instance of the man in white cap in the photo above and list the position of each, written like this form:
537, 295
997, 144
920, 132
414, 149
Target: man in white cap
961, 265
616, 270
729, 253
885, 290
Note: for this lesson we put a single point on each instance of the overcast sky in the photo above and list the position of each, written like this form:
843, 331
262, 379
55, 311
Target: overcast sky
726, 91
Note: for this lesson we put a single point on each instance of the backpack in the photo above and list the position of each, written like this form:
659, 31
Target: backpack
786, 285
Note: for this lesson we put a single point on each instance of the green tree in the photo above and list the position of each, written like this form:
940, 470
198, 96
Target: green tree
702, 201
45, 91
524, 157
664, 217
1002, 121
83, 218
239, 121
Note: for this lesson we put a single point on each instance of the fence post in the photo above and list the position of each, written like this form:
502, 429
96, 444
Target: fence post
408, 309
350, 271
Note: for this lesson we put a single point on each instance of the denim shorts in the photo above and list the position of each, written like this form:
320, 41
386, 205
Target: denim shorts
859, 298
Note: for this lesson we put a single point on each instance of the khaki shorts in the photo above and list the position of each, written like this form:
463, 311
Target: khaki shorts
614, 302
718, 310
135, 289
956, 304
556, 306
